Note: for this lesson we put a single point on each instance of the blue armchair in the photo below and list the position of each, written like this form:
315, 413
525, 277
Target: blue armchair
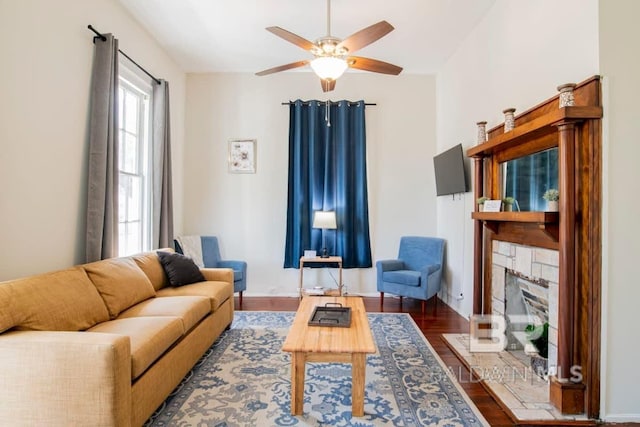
211, 259
417, 273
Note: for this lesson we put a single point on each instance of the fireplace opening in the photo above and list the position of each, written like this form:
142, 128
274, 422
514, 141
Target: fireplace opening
526, 303
525, 292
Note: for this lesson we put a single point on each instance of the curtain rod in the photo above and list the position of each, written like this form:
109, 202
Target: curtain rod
103, 38
324, 102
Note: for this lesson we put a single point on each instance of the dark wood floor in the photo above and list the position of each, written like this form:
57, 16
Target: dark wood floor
438, 319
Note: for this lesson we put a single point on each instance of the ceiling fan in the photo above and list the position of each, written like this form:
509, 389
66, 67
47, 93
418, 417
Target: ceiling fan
332, 56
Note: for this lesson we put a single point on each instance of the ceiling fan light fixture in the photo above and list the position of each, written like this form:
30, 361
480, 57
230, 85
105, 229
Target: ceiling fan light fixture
329, 67
332, 56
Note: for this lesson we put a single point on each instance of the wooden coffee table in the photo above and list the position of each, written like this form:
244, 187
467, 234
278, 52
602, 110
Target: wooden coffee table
329, 344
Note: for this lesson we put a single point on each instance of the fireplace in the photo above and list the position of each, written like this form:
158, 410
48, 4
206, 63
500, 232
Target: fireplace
525, 287
575, 232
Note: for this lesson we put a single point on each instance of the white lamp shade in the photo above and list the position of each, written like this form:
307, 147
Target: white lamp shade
329, 67
324, 219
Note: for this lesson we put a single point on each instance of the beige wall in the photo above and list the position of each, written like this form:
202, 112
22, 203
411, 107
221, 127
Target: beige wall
248, 211
507, 61
44, 97
516, 57
620, 67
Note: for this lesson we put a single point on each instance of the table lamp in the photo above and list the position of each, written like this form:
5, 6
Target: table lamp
326, 220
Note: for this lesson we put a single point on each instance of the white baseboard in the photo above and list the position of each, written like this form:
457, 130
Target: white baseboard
622, 418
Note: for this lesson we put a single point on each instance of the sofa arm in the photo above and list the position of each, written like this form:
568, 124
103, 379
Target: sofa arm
218, 274
65, 378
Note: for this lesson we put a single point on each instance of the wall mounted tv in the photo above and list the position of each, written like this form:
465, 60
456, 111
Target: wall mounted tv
450, 172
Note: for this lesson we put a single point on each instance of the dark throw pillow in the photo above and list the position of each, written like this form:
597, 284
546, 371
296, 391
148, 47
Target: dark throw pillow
180, 269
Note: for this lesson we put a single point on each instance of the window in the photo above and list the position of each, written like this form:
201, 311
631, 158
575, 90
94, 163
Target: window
134, 192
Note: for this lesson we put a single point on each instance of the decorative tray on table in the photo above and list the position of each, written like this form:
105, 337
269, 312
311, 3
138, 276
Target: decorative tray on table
331, 314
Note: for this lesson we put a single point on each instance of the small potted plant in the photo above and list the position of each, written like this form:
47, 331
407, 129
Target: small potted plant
480, 202
538, 335
507, 203
551, 196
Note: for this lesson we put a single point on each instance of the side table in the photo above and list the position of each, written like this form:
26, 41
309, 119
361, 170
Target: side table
320, 260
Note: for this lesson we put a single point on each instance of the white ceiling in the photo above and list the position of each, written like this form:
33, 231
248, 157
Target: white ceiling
230, 35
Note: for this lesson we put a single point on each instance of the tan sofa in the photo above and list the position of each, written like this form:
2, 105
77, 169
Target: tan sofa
103, 344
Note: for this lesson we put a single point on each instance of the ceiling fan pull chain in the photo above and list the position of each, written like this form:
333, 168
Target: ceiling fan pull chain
327, 114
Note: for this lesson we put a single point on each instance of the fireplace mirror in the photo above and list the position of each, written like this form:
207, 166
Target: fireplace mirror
527, 178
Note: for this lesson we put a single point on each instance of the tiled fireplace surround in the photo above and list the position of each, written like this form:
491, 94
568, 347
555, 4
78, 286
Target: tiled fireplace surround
520, 391
536, 271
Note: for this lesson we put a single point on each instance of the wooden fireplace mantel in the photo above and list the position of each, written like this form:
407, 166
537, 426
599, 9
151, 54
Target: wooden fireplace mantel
574, 231
542, 125
545, 222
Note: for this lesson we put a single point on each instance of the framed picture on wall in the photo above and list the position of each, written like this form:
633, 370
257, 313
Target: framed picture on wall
242, 156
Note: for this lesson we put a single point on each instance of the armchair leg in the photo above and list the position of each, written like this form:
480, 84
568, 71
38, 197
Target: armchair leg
381, 299
423, 304
240, 299
400, 303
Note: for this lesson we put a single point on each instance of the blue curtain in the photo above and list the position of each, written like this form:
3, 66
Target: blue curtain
328, 171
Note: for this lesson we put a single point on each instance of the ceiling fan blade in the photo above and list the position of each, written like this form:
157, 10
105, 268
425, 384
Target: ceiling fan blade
292, 38
283, 68
374, 65
328, 85
366, 36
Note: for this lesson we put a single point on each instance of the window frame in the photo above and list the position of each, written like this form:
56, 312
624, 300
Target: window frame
131, 82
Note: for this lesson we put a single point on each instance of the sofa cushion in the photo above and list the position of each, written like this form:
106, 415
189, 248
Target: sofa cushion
150, 338
191, 309
180, 269
217, 292
149, 263
59, 301
121, 283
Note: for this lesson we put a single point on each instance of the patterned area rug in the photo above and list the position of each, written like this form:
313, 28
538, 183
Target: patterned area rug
244, 379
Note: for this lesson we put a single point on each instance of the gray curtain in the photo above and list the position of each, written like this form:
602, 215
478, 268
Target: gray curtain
162, 194
102, 191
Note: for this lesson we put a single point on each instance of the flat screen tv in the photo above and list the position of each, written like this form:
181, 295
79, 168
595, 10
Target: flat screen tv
450, 172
